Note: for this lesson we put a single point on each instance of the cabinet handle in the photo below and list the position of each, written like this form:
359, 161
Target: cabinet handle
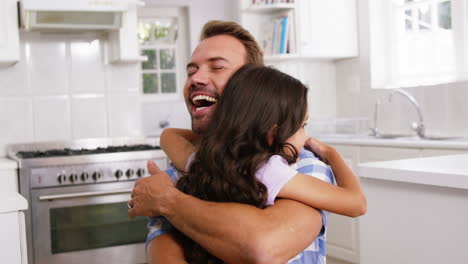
82, 194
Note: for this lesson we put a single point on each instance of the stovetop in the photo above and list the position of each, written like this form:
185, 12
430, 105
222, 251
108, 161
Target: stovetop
81, 148
83, 151
85, 162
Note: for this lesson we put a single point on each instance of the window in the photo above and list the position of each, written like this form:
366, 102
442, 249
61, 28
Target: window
417, 42
161, 41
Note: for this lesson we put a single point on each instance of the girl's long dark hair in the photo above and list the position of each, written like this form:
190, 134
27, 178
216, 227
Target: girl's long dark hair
258, 102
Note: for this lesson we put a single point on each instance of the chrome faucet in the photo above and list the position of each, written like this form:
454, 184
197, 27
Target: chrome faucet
375, 130
418, 127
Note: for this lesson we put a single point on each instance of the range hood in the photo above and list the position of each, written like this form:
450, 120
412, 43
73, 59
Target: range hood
58, 15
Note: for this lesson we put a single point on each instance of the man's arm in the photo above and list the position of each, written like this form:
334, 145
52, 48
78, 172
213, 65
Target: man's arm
235, 233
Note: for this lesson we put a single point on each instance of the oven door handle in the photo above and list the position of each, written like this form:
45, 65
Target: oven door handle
82, 194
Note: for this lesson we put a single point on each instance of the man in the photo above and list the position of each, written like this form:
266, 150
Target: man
235, 233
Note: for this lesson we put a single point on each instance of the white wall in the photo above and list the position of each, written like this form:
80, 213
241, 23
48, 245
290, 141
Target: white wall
319, 76
63, 88
443, 106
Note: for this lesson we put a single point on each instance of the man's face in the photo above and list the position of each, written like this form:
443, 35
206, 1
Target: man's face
213, 62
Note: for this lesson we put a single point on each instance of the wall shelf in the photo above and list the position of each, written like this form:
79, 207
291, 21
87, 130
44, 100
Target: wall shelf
268, 8
317, 30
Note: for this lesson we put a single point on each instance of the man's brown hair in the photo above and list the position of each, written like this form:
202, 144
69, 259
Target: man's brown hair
218, 27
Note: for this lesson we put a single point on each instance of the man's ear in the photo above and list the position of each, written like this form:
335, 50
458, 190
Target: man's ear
271, 134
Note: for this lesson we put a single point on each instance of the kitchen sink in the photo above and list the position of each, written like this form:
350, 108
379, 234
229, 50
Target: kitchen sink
414, 137
440, 138
393, 136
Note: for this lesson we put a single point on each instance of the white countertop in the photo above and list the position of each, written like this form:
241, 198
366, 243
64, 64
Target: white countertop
12, 202
409, 142
8, 164
445, 171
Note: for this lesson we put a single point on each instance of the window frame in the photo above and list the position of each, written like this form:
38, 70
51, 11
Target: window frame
180, 49
383, 47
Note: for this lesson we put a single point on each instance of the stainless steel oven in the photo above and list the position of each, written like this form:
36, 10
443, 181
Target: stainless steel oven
78, 197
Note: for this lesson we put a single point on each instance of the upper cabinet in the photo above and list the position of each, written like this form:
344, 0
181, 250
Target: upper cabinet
9, 36
302, 29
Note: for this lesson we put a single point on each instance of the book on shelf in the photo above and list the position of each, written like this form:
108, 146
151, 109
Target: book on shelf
291, 40
267, 2
278, 35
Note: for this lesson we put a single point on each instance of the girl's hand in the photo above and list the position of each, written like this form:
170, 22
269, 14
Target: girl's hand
320, 149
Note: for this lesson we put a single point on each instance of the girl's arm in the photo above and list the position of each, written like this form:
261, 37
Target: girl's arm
346, 199
165, 249
178, 144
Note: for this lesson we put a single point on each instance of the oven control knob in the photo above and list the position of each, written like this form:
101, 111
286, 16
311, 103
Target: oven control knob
73, 177
140, 172
62, 178
84, 176
118, 174
129, 173
96, 176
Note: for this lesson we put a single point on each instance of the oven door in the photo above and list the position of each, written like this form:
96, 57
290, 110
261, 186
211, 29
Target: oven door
86, 224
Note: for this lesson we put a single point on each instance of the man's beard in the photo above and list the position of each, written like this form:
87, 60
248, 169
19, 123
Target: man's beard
199, 127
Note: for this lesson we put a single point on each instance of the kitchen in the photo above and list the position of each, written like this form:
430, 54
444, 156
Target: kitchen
71, 87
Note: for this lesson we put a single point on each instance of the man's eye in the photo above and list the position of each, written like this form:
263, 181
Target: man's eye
304, 125
191, 72
218, 67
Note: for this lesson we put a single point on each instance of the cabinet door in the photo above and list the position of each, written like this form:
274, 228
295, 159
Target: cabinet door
9, 36
370, 154
342, 233
328, 29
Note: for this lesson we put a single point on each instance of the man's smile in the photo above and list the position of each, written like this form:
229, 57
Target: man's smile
202, 101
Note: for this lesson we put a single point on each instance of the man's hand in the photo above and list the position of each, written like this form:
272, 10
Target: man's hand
320, 149
151, 194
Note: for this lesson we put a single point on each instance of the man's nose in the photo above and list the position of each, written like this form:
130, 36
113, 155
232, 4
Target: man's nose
200, 77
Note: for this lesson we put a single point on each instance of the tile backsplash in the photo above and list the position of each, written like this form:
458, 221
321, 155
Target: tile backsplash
64, 88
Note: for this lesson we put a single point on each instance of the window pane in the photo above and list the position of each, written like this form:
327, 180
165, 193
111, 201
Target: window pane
150, 83
425, 17
168, 82
144, 32
445, 15
151, 62
165, 30
167, 58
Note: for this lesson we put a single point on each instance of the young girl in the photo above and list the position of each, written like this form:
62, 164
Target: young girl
254, 135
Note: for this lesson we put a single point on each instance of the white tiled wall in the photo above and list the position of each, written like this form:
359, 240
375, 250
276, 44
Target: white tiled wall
319, 76
444, 106
63, 89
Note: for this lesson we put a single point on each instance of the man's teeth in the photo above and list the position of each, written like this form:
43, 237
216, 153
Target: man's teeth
204, 97
199, 108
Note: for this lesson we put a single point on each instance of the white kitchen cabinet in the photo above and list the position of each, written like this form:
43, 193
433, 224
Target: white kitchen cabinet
12, 223
441, 152
342, 233
416, 211
9, 34
327, 29
369, 154
319, 29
